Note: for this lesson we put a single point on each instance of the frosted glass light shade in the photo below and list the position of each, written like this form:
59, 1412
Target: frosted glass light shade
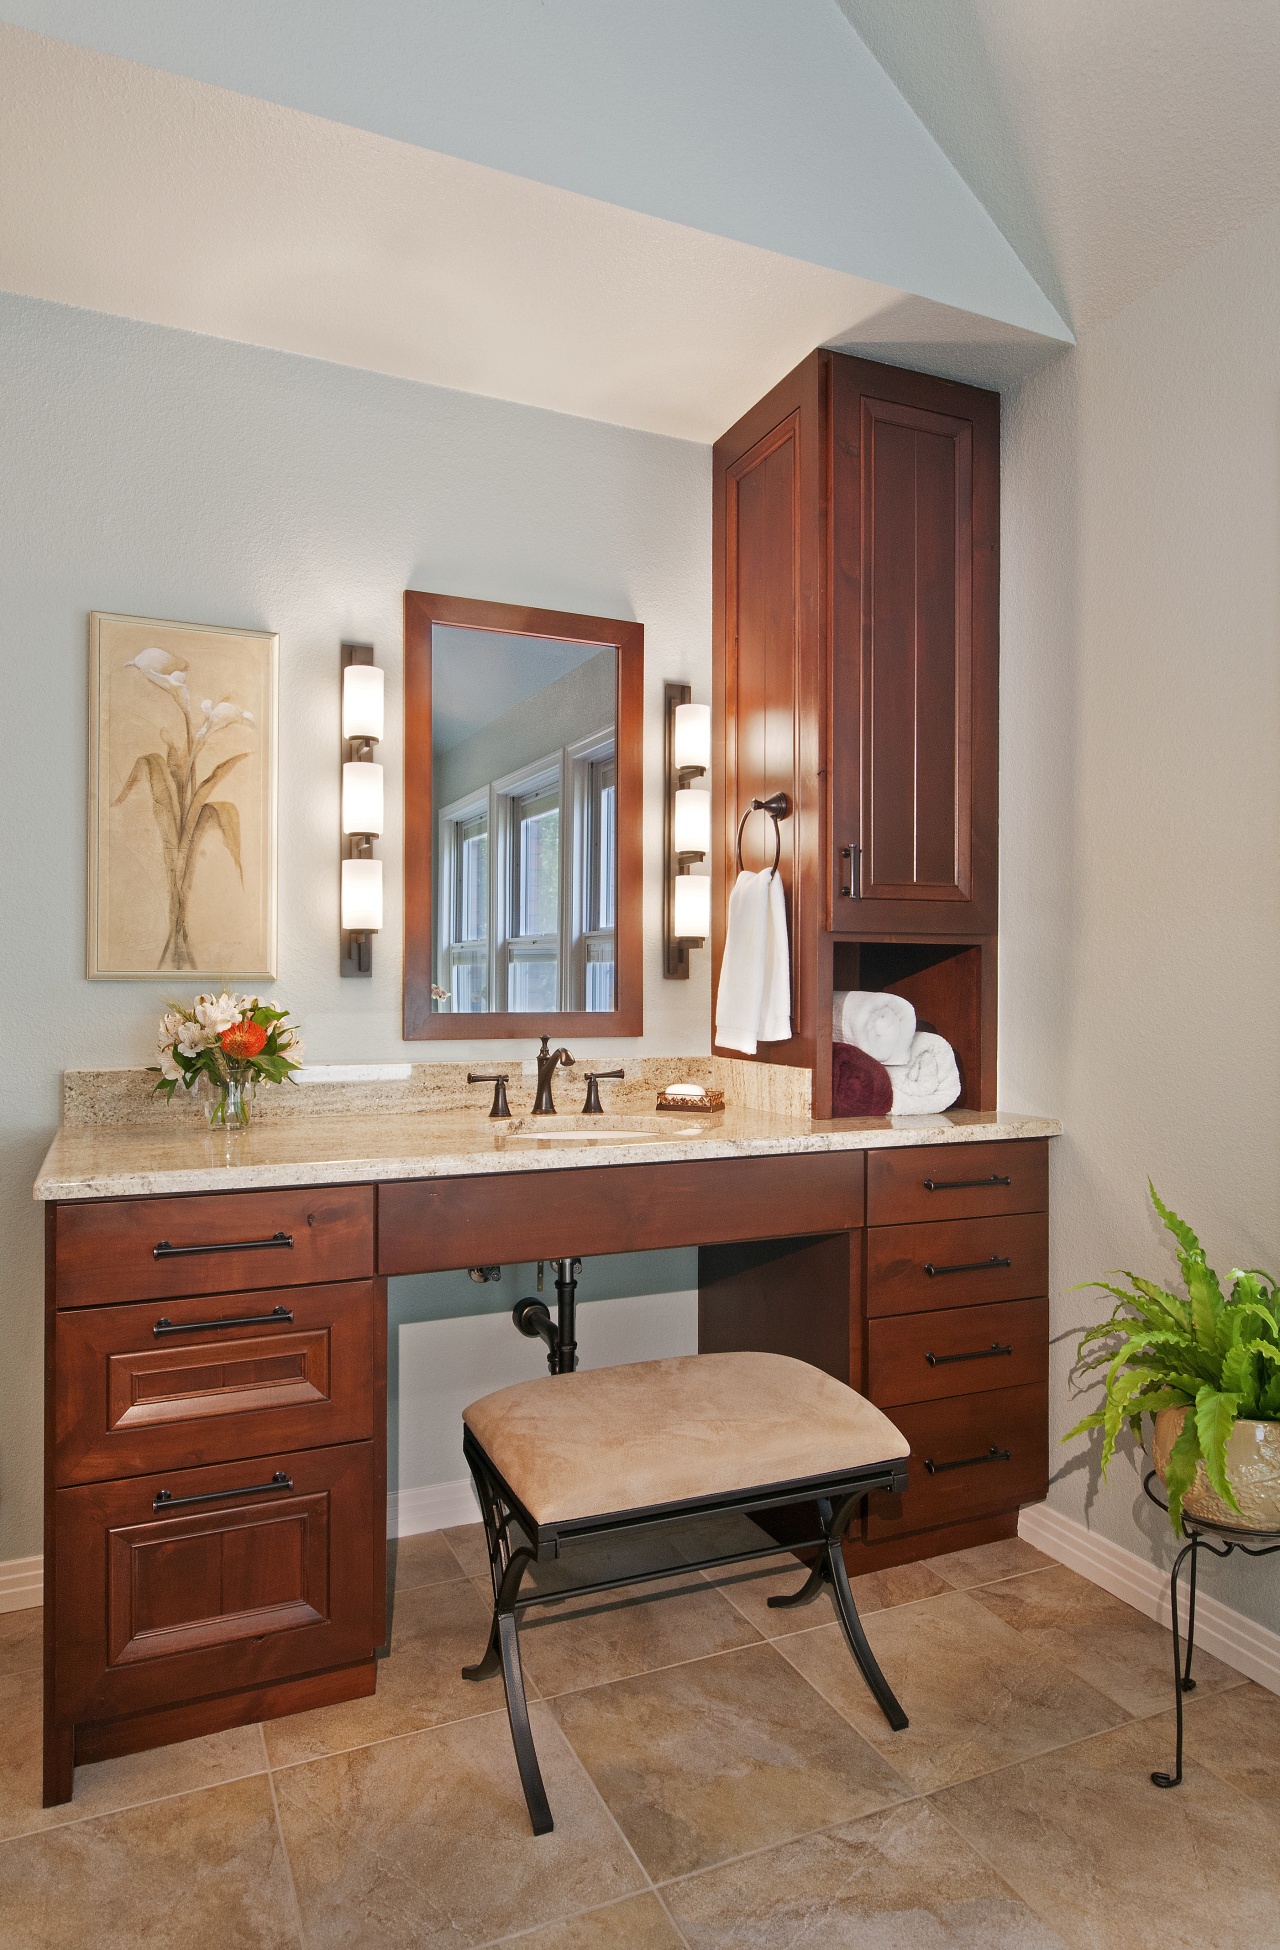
692, 920
362, 798
691, 742
362, 702
362, 896
693, 822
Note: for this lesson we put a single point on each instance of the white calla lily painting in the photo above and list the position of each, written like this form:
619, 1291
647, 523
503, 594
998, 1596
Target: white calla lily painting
182, 800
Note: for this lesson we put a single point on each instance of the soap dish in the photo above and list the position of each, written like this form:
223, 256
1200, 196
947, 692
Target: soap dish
710, 1100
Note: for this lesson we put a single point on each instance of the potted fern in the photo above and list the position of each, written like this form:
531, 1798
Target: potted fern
1207, 1369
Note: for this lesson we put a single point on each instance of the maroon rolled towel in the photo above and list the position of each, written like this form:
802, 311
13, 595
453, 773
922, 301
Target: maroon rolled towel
860, 1087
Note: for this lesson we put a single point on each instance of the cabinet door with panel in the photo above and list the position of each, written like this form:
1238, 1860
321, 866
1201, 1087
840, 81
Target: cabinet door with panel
914, 652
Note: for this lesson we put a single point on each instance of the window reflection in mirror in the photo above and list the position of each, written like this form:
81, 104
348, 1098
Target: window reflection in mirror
524, 773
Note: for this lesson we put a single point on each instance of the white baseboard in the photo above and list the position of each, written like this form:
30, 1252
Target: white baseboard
436, 1507
21, 1583
1228, 1635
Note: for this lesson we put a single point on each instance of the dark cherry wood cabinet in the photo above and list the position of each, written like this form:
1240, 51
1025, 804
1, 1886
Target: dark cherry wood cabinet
856, 669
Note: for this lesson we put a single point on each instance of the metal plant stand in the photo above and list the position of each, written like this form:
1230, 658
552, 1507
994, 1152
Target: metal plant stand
1220, 1539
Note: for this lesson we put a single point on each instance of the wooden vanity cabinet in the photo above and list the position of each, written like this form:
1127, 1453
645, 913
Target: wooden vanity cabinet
215, 1517
856, 524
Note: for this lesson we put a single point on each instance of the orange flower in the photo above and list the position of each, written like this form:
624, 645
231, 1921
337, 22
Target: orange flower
243, 1039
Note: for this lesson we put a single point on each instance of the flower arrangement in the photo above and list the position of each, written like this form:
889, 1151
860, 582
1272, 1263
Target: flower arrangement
1202, 1367
233, 1043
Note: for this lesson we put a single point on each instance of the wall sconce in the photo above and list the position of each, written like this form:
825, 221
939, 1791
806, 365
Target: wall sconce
363, 714
686, 831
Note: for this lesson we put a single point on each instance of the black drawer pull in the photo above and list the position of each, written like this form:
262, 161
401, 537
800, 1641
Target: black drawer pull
166, 1500
165, 1326
966, 1462
964, 1184
978, 1354
973, 1266
165, 1251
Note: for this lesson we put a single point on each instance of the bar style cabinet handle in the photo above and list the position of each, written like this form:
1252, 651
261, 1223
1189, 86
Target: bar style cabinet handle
851, 877
165, 1326
166, 1500
978, 1354
163, 1250
972, 1266
967, 1462
964, 1184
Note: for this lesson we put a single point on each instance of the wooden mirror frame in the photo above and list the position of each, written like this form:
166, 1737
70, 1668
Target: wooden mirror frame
421, 1022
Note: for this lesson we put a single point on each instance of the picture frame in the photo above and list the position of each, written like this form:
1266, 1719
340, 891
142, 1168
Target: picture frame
183, 764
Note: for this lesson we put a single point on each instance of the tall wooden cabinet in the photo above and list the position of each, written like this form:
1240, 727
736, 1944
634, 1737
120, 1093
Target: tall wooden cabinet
856, 534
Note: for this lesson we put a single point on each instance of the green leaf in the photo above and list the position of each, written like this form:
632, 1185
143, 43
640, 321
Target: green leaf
1089, 1422
1178, 1227
1215, 1419
1180, 1471
1208, 1310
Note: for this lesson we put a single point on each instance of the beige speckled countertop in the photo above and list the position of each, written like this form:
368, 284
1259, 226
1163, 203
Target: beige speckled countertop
105, 1159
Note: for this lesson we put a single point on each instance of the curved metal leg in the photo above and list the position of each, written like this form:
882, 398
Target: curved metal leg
1188, 1683
847, 1612
503, 1650
1188, 1550
808, 1591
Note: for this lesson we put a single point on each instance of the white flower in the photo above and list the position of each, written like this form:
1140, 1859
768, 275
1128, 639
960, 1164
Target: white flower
214, 1013
169, 1069
220, 714
192, 1039
163, 668
170, 1027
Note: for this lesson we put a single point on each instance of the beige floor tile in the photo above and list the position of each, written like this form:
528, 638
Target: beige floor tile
708, 1760
424, 1559
902, 1880
199, 1872
1098, 1637
105, 1785
438, 1629
637, 1923
975, 1695
1236, 1735
589, 1641
626, 1554
1007, 1558
750, 1587
466, 1541
1112, 1861
21, 1639
426, 1841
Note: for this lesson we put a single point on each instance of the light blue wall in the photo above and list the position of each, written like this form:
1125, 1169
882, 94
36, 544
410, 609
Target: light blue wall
163, 474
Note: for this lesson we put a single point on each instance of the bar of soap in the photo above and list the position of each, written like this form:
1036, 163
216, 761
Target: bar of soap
684, 1090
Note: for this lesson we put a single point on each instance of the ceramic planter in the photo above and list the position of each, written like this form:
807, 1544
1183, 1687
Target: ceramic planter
1253, 1469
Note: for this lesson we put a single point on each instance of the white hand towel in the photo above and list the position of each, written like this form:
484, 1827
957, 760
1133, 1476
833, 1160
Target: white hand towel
775, 1004
930, 1078
742, 971
882, 1025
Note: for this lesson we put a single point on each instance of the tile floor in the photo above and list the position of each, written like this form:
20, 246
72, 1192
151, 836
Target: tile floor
718, 1774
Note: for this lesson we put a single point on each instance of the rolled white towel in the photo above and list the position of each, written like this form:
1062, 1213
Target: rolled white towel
929, 1080
880, 1024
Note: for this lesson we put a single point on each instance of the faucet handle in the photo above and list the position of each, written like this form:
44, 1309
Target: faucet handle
593, 1107
498, 1079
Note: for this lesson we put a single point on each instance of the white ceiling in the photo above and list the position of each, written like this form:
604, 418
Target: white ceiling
1113, 141
478, 676
127, 190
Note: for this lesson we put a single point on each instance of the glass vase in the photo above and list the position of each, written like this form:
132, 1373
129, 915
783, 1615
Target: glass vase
228, 1105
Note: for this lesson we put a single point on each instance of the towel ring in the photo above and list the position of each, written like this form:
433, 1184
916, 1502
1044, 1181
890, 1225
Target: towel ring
778, 808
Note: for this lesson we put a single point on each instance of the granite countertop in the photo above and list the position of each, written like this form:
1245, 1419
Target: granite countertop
111, 1159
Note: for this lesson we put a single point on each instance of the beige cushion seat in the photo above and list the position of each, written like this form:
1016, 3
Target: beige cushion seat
602, 1440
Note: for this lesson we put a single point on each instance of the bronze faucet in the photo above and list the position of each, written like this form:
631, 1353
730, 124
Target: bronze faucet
543, 1103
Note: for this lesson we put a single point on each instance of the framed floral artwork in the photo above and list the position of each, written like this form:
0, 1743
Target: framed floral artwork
182, 800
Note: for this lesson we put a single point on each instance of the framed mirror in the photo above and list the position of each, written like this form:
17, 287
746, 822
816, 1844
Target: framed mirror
522, 790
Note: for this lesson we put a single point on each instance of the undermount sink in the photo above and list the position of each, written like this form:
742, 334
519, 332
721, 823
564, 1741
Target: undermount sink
606, 1129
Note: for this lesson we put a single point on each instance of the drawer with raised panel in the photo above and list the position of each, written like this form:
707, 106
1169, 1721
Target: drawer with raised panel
176, 1384
223, 1242
959, 1263
971, 1456
925, 1357
957, 1181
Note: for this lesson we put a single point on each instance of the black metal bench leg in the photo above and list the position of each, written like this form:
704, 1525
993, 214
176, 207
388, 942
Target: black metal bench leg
808, 1591
535, 1794
847, 1612
1182, 1683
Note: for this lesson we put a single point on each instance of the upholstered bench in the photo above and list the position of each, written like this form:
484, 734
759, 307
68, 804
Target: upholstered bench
578, 1455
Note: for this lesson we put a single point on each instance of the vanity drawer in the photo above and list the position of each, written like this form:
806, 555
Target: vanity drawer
970, 1457
925, 1357
226, 1242
957, 1181
239, 1587
178, 1384
960, 1263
